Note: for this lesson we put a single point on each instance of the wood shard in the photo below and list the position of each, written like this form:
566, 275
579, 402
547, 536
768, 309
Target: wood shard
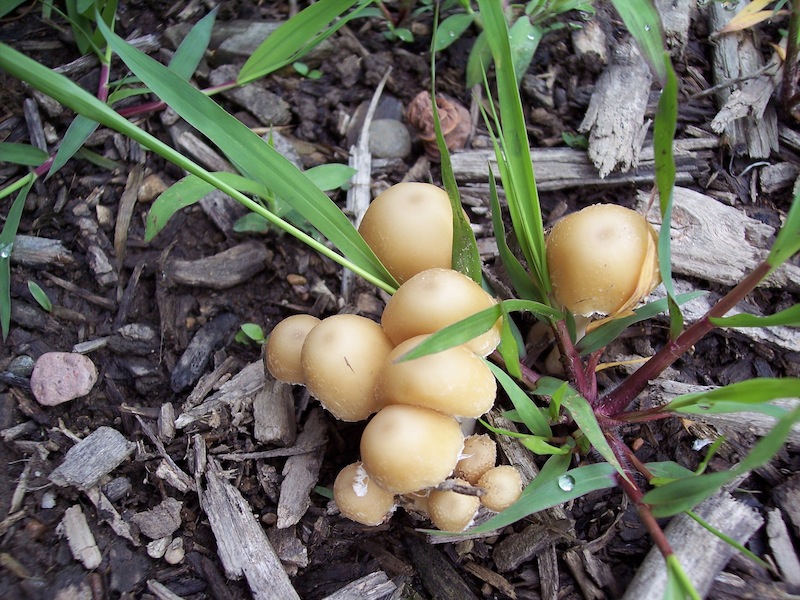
89, 460
242, 545
374, 586
220, 271
438, 575
80, 538
273, 411
782, 548
702, 554
32, 251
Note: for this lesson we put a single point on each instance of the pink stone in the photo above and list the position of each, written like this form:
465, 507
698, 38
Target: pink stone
59, 377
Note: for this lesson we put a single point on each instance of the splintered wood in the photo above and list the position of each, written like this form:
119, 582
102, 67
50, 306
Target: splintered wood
89, 460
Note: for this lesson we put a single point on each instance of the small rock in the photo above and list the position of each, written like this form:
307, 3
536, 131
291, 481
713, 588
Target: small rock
389, 138
267, 107
21, 366
157, 548
162, 521
175, 551
152, 187
59, 377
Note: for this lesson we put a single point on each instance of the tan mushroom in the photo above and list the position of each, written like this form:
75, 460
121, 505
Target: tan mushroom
502, 487
451, 510
359, 498
282, 352
434, 299
406, 448
455, 381
340, 358
478, 456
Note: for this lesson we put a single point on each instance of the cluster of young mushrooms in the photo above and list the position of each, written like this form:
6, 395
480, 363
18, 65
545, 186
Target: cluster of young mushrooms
413, 449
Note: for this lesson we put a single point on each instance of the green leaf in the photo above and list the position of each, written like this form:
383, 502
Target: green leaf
642, 20
747, 393
669, 470
479, 59
553, 486
539, 445
190, 51
253, 331
584, 417
331, 176
296, 37
603, 335
525, 38
679, 586
789, 317
255, 158
449, 30
7, 236
787, 242
511, 344
251, 223
532, 416
77, 133
6, 6
40, 296
727, 539
22, 154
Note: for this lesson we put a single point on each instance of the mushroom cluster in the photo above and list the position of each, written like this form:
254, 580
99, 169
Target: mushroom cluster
413, 442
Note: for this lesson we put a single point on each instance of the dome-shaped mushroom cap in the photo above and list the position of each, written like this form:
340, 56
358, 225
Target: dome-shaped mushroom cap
455, 381
340, 358
602, 260
285, 342
434, 299
452, 511
502, 486
407, 448
409, 227
478, 456
359, 498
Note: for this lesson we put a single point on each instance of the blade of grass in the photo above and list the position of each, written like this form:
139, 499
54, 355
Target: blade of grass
747, 393
533, 416
191, 49
642, 20
22, 154
788, 317
6, 245
787, 242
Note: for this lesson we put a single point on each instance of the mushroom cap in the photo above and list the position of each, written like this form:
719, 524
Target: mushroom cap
434, 299
452, 511
409, 227
407, 448
455, 381
478, 456
359, 498
340, 358
602, 260
502, 487
285, 342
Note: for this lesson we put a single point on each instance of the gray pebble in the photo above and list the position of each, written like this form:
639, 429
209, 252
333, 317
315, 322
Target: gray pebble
389, 138
59, 377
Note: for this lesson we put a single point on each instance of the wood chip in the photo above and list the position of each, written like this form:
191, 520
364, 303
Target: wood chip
374, 586
495, 580
702, 554
39, 252
273, 411
195, 358
161, 521
588, 588
107, 513
242, 545
80, 538
223, 270
301, 472
89, 460
438, 575
782, 548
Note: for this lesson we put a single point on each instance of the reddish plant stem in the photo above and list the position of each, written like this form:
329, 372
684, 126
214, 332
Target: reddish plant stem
156, 105
573, 365
648, 520
618, 399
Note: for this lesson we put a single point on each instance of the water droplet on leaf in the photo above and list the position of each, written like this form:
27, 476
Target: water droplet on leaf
566, 482
5, 249
647, 27
704, 406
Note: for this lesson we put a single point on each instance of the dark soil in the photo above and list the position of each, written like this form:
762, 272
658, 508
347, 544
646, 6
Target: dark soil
136, 382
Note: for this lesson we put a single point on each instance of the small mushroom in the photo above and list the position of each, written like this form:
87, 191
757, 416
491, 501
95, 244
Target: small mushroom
434, 299
340, 358
409, 227
454, 381
359, 498
478, 456
407, 448
282, 351
602, 260
451, 510
502, 487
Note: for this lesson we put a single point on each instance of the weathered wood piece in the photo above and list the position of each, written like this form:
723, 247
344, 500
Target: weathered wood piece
107, 512
127, 203
273, 411
615, 119
266, 106
160, 521
374, 586
89, 460
663, 391
588, 587
223, 270
518, 548
564, 168
782, 548
242, 545
438, 576
702, 554
198, 353
80, 538
160, 591
748, 122
33, 251
787, 495
676, 15
240, 388
301, 472
716, 242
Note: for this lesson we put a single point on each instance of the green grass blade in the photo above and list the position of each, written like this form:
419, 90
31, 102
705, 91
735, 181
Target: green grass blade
520, 187
331, 176
295, 37
190, 51
525, 38
40, 296
679, 586
7, 236
789, 317
479, 59
21, 154
727, 539
450, 29
787, 243
532, 416
746, 393
642, 20
77, 133
253, 156
6, 6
